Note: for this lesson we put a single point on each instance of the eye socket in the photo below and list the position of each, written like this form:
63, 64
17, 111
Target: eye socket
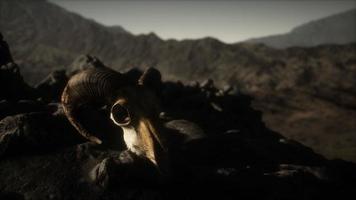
120, 115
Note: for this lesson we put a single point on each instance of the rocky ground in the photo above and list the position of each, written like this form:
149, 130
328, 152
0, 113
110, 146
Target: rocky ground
311, 89
43, 157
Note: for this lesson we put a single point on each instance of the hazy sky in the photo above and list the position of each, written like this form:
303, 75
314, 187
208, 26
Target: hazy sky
227, 20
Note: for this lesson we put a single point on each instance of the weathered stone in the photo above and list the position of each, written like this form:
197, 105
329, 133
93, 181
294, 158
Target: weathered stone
55, 109
190, 131
8, 108
84, 62
123, 169
12, 85
134, 74
207, 84
152, 79
51, 88
35, 132
5, 55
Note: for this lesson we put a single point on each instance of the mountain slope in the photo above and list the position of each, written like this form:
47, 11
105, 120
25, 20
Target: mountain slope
335, 29
312, 90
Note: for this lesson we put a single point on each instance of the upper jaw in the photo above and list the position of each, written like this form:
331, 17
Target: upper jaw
145, 140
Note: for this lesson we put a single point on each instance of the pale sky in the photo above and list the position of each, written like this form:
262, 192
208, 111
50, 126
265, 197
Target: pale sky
227, 20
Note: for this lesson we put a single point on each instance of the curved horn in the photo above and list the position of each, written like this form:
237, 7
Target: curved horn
90, 87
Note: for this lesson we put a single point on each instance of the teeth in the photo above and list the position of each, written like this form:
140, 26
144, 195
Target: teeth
131, 139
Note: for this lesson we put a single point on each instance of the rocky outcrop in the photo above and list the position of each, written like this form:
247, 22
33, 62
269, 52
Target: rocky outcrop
11, 83
297, 85
230, 153
4, 51
50, 88
35, 131
84, 62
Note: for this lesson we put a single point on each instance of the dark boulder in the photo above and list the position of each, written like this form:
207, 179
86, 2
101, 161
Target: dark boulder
5, 55
189, 131
125, 169
133, 74
152, 79
11, 196
12, 85
8, 108
51, 88
35, 132
84, 62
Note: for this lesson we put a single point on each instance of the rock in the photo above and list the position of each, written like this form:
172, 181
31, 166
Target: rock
194, 84
5, 55
286, 170
126, 169
35, 132
216, 106
51, 88
152, 79
11, 196
187, 129
227, 89
235, 91
232, 131
8, 108
226, 171
171, 92
207, 84
12, 85
133, 74
55, 109
208, 87
89, 150
84, 62
192, 101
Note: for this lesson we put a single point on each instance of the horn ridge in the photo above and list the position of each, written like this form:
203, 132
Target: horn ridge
89, 87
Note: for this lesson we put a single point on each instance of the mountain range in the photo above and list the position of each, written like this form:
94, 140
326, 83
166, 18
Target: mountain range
336, 29
306, 93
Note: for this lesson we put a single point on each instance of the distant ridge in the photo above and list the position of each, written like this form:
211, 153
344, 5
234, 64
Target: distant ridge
336, 29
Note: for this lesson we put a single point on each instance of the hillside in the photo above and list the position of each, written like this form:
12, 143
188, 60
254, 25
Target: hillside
335, 29
311, 90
